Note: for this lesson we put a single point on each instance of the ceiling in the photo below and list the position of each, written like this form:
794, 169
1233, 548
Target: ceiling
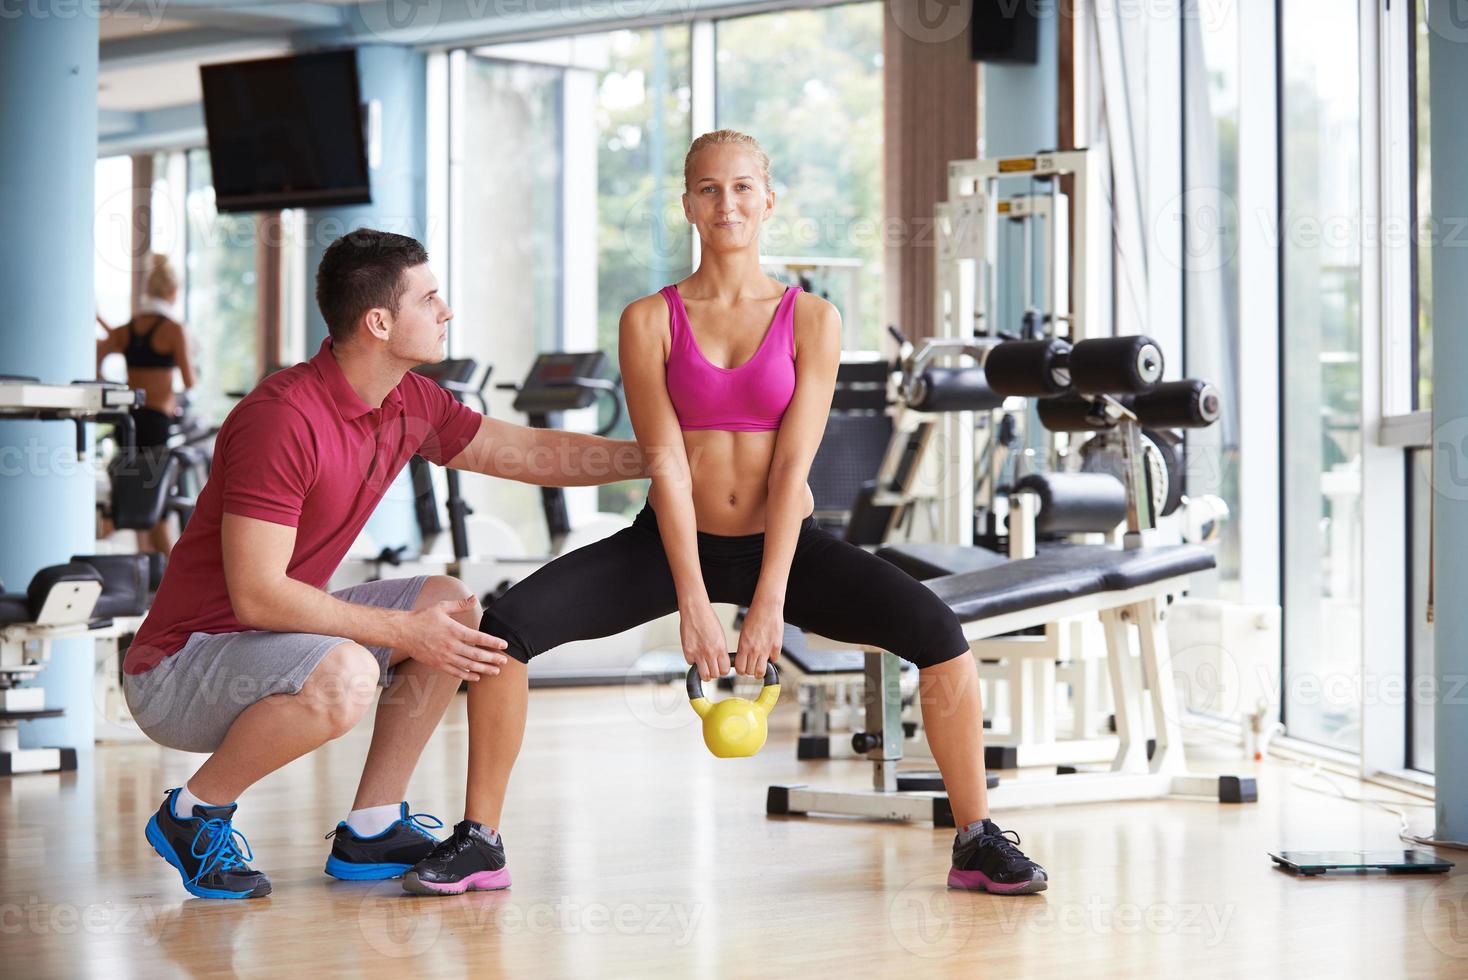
167, 83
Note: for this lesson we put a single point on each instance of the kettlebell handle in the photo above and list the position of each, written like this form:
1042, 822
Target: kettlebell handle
695, 683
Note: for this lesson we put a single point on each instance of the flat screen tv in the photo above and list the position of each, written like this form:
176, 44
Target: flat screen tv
286, 132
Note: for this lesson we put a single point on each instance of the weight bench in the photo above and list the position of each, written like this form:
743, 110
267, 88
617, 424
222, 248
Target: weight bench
1129, 590
102, 597
1032, 664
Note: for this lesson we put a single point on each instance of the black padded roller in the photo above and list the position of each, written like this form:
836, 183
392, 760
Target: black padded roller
1115, 365
1029, 368
1179, 405
1076, 503
1072, 413
946, 389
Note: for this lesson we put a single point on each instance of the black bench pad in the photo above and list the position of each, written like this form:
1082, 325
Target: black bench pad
1064, 573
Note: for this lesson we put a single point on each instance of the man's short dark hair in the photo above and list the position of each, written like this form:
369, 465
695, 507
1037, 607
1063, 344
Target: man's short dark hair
361, 270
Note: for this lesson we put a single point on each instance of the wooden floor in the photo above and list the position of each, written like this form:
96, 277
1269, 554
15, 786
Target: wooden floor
636, 854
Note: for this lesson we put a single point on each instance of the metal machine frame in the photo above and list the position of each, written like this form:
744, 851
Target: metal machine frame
1132, 775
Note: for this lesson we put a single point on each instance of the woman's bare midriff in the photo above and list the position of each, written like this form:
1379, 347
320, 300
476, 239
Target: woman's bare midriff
730, 472
157, 385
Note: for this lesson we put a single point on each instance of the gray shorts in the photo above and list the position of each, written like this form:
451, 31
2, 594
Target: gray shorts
190, 700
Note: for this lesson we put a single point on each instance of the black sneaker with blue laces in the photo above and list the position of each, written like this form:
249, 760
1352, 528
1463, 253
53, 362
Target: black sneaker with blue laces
473, 859
992, 862
385, 855
206, 851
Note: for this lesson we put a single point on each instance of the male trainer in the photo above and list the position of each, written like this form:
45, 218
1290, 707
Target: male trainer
245, 657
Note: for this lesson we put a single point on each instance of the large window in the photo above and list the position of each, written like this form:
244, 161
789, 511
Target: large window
1321, 359
220, 309
1211, 264
551, 242
512, 238
1421, 207
643, 120
557, 238
113, 261
808, 85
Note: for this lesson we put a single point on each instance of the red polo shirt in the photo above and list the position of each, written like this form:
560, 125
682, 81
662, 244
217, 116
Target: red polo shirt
303, 449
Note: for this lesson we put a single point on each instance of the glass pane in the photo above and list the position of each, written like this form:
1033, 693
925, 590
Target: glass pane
808, 85
512, 204
507, 306
220, 307
1211, 267
582, 221
1422, 200
643, 241
112, 263
1320, 134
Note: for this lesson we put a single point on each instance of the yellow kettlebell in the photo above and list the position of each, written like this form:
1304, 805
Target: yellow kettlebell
734, 727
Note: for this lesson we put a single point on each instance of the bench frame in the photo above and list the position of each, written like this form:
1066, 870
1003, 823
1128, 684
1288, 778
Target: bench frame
1140, 610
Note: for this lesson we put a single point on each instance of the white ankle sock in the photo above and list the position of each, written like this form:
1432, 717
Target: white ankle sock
184, 803
373, 820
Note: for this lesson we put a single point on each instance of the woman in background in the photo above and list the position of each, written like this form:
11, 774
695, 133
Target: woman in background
155, 346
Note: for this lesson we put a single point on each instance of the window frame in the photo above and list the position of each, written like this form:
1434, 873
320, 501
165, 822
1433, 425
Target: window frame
1400, 427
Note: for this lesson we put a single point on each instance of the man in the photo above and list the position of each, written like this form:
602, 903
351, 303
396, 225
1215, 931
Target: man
244, 655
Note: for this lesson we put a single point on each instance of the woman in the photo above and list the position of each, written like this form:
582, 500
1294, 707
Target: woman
728, 378
154, 345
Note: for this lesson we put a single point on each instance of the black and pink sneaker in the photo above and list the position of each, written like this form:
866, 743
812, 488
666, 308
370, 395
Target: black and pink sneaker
473, 859
991, 862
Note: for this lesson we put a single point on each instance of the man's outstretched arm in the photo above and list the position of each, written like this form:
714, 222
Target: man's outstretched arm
549, 457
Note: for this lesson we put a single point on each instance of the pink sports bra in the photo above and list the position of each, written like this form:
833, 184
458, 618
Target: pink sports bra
749, 398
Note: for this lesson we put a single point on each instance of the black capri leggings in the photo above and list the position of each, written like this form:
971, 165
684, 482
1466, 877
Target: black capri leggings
835, 589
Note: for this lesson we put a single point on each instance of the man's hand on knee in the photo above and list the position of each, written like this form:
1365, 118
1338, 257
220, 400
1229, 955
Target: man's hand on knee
436, 635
